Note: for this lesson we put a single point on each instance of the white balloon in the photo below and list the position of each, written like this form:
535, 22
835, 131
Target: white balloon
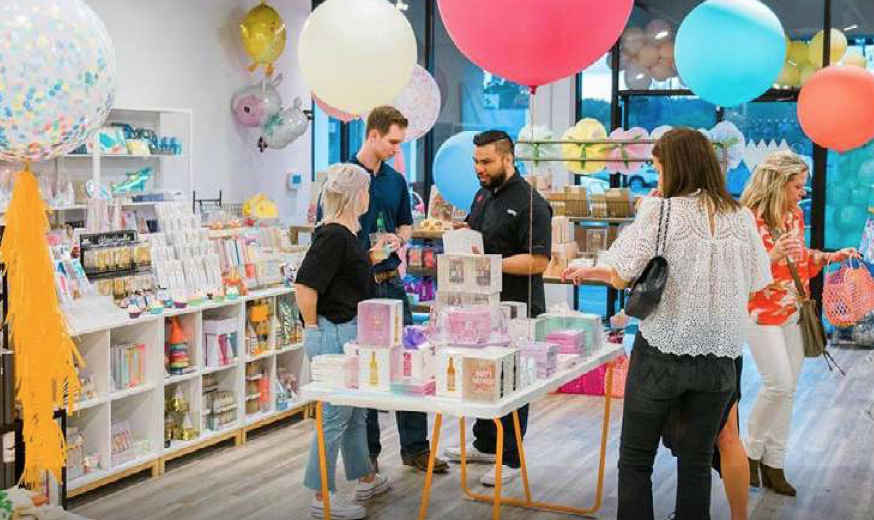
659, 30
637, 77
633, 39
648, 56
356, 55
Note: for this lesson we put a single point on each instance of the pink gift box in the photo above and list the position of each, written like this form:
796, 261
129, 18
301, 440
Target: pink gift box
380, 322
470, 326
569, 341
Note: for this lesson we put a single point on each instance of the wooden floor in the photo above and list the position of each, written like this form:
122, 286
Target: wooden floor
831, 462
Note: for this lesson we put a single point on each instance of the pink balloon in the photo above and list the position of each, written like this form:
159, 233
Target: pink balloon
539, 41
334, 112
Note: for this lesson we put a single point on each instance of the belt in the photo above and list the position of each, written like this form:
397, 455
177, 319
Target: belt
384, 276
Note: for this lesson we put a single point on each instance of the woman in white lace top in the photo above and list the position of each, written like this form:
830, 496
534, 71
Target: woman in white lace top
684, 353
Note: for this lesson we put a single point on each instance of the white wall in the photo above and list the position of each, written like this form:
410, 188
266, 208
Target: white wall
184, 54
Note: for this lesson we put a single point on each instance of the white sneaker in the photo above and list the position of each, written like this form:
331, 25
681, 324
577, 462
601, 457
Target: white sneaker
340, 510
473, 455
367, 490
507, 476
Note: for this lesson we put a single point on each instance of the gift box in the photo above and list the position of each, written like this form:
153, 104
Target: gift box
415, 366
545, 356
472, 274
484, 377
512, 359
375, 367
589, 324
514, 310
450, 370
380, 322
521, 330
470, 325
568, 341
450, 298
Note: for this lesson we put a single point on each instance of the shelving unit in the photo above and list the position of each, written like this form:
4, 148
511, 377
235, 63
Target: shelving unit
173, 173
143, 406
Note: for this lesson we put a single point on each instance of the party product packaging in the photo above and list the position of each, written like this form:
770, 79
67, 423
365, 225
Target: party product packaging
512, 359
463, 241
514, 310
470, 325
380, 322
545, 356
559, 320
569, 341
450, 370
489, 376
472, 274
375, 367
414, 366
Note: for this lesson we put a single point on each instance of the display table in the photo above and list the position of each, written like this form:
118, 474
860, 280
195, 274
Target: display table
325, 393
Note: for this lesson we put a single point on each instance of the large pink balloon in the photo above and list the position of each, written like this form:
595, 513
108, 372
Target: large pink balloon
537, 41
333, 112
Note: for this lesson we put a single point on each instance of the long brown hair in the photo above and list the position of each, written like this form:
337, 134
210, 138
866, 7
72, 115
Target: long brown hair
689, 164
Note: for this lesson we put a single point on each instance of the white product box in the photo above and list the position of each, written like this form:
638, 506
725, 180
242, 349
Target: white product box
375, 367
415, 366
472, 274
510, 373
450, 370
517, 310
488, 376
218, 327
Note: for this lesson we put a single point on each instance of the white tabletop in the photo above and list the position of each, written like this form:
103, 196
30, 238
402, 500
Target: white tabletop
318, 391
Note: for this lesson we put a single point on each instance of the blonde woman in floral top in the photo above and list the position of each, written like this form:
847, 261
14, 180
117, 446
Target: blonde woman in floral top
774, 336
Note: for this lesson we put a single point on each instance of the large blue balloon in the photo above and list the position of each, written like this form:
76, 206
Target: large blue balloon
454, 174
730, 51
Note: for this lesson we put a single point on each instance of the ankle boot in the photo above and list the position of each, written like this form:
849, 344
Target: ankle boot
754, 473
775, 479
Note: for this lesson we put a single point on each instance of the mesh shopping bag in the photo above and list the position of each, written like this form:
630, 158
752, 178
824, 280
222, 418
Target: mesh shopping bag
848, 294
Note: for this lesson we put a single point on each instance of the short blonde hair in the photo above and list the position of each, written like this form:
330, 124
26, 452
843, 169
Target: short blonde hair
765, 194
341, 191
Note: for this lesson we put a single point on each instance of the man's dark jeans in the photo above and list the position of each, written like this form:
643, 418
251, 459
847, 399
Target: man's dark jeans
412, 426
701, 387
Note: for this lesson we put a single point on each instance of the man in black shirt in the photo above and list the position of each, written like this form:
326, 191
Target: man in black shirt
389, 213
516, 223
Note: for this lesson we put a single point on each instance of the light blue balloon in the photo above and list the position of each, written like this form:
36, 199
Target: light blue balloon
730, 51
454, 174
866, 173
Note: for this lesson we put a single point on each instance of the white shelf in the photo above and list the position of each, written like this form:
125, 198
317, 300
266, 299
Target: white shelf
99, 330
212, 370
180, 378
290, 348
263, 355
90, 403
122, 394
122, 156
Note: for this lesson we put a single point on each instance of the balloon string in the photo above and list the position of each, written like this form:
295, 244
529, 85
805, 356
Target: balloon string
531, 222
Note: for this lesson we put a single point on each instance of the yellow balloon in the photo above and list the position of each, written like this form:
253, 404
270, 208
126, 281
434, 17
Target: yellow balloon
837, 50
856, 60
799, 53
263, 33
806, 72
790, 76
587, 128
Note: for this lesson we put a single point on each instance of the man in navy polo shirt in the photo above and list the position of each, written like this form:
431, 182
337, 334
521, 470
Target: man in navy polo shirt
390, 212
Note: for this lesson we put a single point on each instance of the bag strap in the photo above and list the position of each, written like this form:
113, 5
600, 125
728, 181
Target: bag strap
664, 218
797, 279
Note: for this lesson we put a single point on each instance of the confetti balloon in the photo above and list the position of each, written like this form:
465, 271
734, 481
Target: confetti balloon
419, 102
57, 77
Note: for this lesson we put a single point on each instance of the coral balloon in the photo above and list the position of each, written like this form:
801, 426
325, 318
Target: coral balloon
836, 107
538, 42
798, 52
263, 33
357, 55
57, 77
339, 115
838, 47
723, 73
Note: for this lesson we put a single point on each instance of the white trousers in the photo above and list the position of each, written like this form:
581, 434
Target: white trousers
779, 354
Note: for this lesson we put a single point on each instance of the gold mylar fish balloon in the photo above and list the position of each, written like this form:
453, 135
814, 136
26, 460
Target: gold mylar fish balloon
263, 32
